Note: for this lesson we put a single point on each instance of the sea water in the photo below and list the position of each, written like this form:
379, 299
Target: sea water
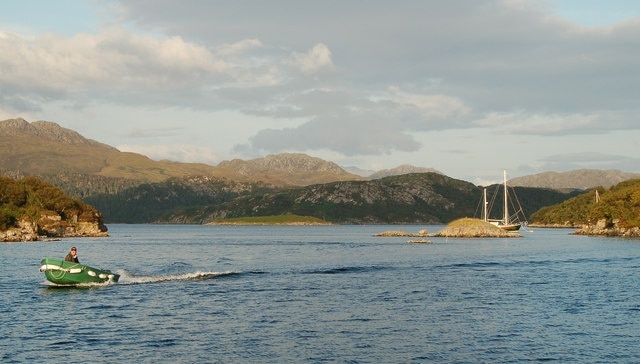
313, 294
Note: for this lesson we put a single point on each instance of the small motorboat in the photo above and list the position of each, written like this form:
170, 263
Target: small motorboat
70, 273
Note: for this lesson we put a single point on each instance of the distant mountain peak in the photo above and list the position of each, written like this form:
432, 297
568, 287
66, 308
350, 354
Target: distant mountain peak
45, 130
286, 162
14, 125
287, 168
577, 179
400, 170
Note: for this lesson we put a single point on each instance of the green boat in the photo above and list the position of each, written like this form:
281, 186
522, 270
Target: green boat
70, 273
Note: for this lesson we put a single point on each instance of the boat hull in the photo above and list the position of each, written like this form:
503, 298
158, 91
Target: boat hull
510, 227
507, 227
70, 273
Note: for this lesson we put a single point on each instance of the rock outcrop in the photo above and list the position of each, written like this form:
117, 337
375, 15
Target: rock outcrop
606, 227
401, 233
285, 169
31, 208
402, 169
52, 225
25, 231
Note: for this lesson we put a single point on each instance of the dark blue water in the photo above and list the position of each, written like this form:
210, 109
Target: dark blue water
325, 294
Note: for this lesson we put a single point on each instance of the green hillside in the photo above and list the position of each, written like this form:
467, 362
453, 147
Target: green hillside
32, 198
621, 203
148, 202
411, 198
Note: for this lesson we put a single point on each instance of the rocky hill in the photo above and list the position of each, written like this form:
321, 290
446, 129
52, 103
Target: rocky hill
132, 188
582, 179
426, 198
31, 208
45, 149
286, 169
148, 202
77, 164
400, 170
613, 212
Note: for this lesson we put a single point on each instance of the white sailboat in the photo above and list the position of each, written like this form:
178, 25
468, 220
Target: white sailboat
507, 222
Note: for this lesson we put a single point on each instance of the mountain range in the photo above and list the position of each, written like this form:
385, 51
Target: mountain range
46, 149
581, 179
132, 188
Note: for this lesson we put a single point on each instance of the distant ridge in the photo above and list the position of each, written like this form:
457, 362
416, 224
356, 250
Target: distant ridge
285, 169
579, 179
359, 171
426, 198
46, 130
44, 148
400, 170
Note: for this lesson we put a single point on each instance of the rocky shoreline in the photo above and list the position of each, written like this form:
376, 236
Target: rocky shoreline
53, 226
604, 228
400, 233
609, 228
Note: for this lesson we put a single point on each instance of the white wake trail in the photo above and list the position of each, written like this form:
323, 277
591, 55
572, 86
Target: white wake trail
127, 278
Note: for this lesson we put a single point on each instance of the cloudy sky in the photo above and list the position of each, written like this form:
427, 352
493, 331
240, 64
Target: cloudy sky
469, 87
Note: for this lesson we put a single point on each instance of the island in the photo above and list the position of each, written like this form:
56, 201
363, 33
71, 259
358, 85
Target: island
474, 228
460, 228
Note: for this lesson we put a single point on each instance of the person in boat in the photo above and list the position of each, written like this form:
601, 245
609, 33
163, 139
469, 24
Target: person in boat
72, 256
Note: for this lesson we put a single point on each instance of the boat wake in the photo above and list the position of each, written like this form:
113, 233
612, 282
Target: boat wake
129, 278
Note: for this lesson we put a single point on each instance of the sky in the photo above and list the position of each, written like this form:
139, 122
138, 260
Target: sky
468, 87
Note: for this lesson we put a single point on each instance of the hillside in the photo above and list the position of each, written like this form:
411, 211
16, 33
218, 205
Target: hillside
582, 179
285, 169
404, 199
427, 198
129, 187
615, 212
57, 154
146, 203
399, 170
45, 149
30, 208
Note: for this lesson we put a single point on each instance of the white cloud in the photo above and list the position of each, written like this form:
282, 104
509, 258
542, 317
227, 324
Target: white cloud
318, 58
240, 47
436, 106
112, 60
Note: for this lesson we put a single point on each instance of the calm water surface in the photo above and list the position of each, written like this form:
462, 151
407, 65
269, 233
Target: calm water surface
198, 294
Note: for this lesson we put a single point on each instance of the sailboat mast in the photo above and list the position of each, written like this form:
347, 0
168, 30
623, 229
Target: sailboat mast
506, 205
485, 214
